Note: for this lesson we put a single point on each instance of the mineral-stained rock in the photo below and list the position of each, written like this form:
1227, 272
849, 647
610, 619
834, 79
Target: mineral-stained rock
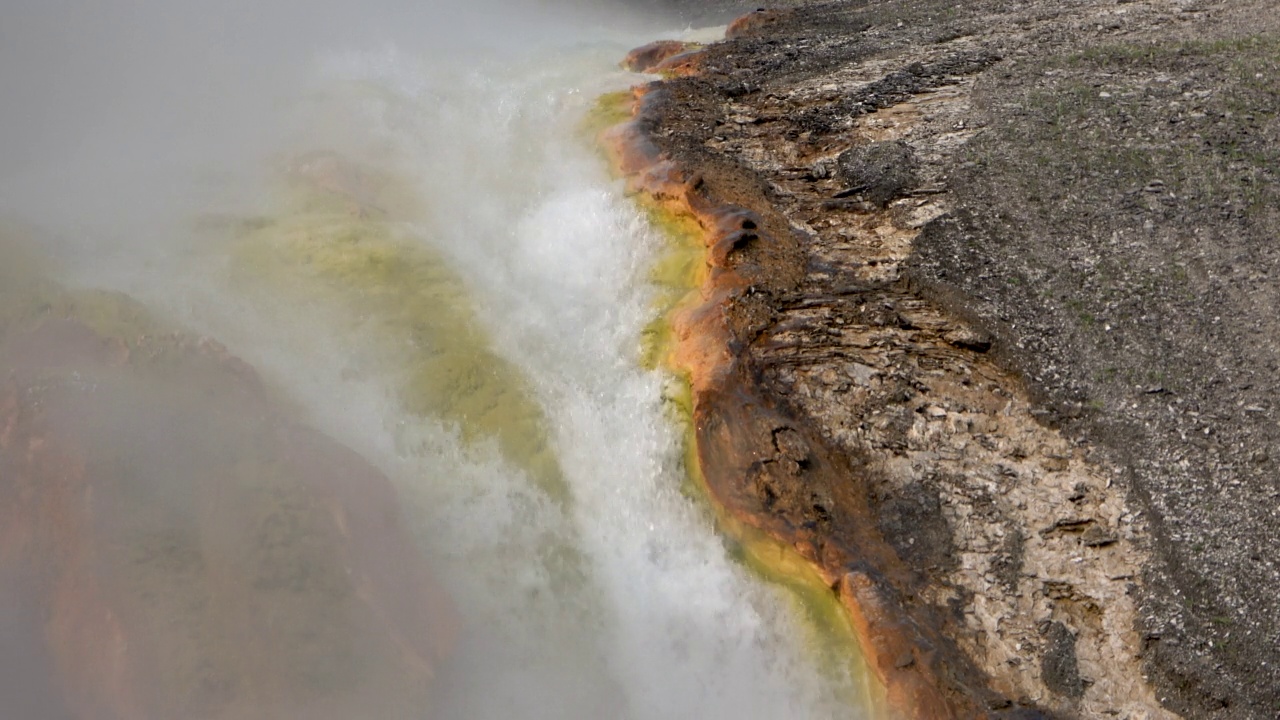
173, 545
754, 23
768, 472
656, 56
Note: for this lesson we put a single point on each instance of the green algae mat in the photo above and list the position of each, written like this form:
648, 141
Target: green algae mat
342, 243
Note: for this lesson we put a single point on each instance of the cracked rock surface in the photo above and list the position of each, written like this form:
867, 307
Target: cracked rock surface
1018, 266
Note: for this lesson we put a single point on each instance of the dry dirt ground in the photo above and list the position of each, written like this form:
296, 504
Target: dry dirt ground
1037, 307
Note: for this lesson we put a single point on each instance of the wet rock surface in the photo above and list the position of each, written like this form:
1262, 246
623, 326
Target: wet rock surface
1010, 283
174, 544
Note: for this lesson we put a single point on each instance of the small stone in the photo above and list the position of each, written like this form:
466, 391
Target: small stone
648, 57
1059, 666
1068, 524
880, 171
790, 445
1096, 536
1054, 464
861, 374
968, 339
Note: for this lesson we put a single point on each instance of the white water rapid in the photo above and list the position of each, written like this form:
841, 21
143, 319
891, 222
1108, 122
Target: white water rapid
589, 582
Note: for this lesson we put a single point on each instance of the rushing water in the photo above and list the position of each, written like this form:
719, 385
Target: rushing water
437, 268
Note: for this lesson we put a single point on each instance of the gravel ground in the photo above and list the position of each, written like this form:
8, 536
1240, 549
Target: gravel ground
1118, 230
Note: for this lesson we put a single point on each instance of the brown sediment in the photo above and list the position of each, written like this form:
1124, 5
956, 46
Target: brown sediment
763, 467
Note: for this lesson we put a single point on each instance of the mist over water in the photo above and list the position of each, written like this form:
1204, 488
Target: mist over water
138, 139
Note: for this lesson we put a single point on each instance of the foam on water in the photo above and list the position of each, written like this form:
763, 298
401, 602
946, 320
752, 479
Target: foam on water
558, 259
658, 621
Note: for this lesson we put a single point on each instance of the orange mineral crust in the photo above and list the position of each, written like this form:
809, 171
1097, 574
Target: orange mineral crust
761, 466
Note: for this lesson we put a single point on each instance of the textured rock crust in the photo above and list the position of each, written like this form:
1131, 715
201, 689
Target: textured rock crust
921, 245
663, 56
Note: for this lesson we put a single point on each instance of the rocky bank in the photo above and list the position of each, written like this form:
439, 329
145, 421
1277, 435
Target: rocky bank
987, 333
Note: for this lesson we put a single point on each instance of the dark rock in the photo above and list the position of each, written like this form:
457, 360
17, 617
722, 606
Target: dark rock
913, 521
1096, 536
879, 171
790, 445
1059, 666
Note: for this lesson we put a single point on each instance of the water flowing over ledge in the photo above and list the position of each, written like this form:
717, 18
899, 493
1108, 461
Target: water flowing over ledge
441, 275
